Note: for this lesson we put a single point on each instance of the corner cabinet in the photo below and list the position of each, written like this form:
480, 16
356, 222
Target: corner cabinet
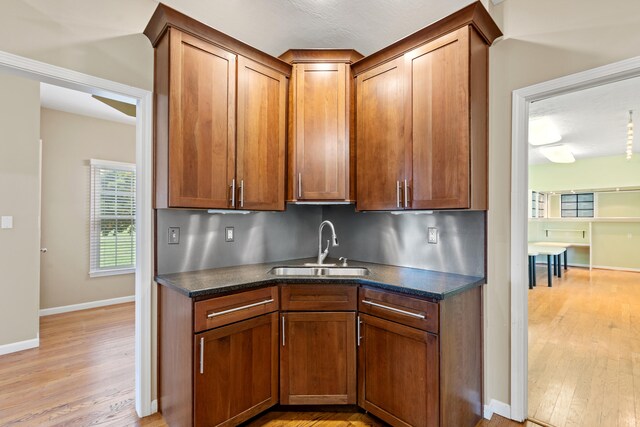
321, 165
422, 118
220, 118
318, 348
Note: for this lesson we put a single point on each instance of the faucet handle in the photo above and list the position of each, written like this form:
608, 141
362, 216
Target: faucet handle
344, 261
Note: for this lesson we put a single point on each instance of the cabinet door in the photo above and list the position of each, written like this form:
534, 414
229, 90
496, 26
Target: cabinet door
262, 99
398, 373
202, 121
438, 104
381, 137
318, 358
321, 137
236, 371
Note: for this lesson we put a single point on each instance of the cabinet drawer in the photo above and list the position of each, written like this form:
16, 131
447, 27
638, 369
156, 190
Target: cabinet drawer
399, 308
319, 297
219, 311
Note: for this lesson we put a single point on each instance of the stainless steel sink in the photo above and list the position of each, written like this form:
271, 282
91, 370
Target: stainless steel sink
319, 271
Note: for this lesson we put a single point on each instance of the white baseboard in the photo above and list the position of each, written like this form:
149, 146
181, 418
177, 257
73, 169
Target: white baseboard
604, 267
19, 346
497, 407
86, 305
154, 406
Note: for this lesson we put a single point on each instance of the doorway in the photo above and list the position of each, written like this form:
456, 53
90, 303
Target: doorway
520, 205
46, 73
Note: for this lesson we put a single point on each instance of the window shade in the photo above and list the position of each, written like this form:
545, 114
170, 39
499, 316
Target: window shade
113, 216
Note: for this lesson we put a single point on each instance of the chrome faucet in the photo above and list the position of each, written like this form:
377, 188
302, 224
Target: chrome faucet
334, 241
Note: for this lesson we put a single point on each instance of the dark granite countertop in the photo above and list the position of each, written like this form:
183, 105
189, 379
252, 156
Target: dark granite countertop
411, 281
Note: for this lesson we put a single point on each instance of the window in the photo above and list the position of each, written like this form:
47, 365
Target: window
113, 218
576, 205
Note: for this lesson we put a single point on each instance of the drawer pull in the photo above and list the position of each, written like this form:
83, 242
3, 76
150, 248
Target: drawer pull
396, 310
202, 355
231, 310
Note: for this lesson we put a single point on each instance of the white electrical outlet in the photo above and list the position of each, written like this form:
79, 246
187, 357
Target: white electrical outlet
228, 234
432, 235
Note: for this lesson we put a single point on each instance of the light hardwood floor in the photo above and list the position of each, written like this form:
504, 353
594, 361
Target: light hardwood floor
82, 375
584, 349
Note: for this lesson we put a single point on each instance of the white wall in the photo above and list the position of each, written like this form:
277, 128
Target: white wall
544, 39
19, 197
68, 142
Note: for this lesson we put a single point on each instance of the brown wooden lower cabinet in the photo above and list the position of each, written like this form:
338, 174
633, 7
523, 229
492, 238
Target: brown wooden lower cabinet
398, 373
410, 361
419, 361
318, 358
236, 371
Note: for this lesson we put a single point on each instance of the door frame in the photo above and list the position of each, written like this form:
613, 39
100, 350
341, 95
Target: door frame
46, 73
521, 98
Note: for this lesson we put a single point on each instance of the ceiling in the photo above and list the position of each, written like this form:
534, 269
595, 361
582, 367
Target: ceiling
592, 122
73, 101
270, 25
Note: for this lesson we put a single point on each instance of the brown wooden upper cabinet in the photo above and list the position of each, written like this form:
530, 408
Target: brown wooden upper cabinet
321, 125
207, 156
422, 117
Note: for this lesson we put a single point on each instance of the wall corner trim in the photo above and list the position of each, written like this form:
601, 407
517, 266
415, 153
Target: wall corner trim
497, 407
154, 406
19, 346
86, 305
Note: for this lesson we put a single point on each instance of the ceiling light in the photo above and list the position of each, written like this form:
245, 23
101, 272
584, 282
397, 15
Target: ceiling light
630, 136
542, 131
558, 154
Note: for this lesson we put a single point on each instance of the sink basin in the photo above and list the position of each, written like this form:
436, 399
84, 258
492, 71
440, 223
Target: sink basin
320, 271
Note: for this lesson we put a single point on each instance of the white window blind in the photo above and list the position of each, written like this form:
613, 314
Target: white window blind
113, 218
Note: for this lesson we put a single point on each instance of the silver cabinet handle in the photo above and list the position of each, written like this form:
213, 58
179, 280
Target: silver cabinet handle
396, 310
242, 193
283, 338
406, 194
358, 330
233, 197
231, 310
299, 185
398, 194
202, 355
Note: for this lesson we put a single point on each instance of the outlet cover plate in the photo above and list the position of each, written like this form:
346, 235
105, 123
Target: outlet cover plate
432, 235
228, 234
174, 235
